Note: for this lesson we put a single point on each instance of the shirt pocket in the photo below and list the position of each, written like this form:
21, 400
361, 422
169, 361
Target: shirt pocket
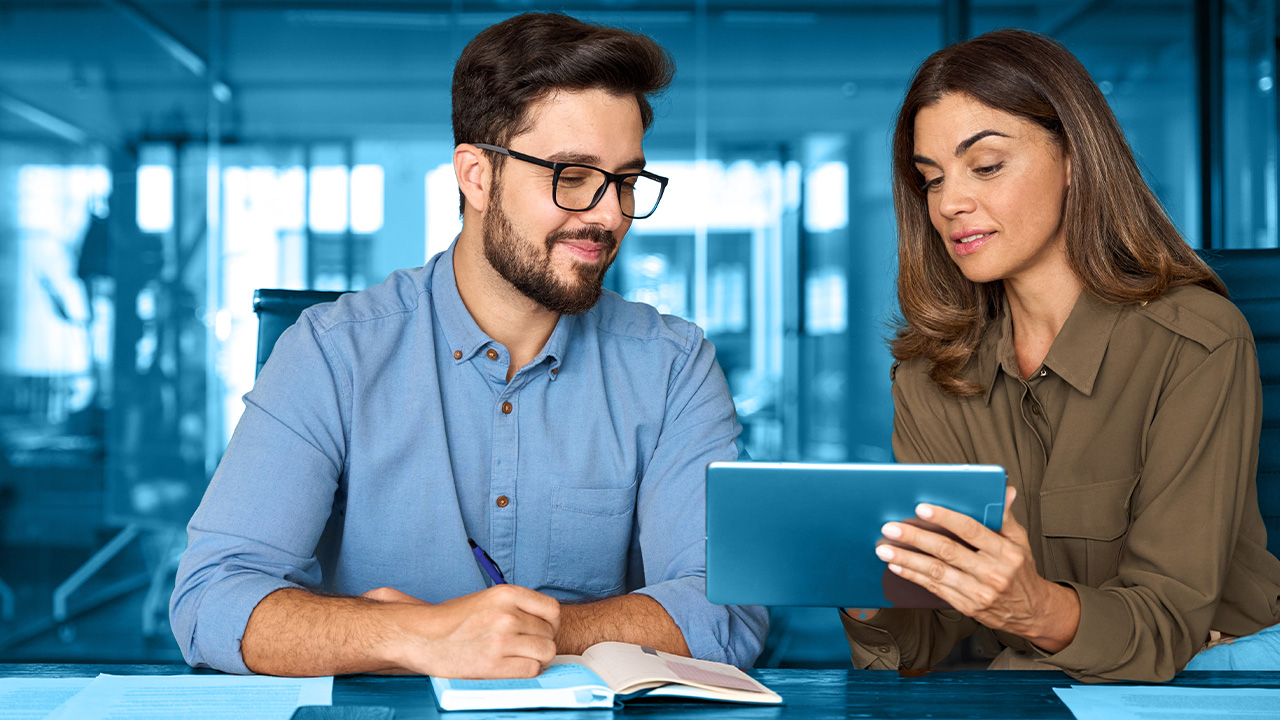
590, 537
1085, 528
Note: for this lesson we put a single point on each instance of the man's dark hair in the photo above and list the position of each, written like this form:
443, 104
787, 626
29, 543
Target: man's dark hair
511, 65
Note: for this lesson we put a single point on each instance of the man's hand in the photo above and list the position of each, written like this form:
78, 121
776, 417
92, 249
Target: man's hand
995, 582
504, 632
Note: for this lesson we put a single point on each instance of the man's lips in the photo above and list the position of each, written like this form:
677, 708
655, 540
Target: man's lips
583, 249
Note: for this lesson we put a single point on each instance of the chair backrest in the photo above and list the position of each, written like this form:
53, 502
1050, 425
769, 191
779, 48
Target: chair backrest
277, 310
1253, 277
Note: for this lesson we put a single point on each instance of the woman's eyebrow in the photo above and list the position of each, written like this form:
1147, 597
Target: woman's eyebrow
966, 144
962, 148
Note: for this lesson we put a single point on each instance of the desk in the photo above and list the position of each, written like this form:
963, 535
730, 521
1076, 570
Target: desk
809, 694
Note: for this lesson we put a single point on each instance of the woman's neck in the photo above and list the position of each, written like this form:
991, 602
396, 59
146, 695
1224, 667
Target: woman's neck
1039, 308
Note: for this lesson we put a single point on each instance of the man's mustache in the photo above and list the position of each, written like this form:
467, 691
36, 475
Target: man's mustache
603, 238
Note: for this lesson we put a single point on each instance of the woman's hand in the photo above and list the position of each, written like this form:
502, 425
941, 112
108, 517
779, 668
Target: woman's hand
994, 582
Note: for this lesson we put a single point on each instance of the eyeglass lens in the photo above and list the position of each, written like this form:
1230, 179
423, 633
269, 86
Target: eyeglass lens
579, 188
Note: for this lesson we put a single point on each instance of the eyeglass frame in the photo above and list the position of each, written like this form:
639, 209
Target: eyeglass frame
609, 178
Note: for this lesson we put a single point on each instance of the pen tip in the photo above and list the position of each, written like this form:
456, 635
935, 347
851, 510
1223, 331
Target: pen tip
472, 543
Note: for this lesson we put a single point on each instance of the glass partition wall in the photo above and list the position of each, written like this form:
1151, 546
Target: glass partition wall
161, 159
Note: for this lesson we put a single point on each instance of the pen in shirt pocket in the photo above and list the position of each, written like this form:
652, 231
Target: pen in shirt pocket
487, 563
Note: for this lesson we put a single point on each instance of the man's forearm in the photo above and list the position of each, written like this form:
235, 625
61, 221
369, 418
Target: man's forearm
633, 618
503, 632
298, 633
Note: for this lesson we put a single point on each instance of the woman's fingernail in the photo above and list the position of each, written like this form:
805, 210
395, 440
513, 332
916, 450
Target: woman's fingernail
924, 511
884, 552
891, 530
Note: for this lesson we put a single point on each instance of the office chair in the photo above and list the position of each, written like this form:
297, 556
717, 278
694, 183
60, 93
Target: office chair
277, 310
1253, 277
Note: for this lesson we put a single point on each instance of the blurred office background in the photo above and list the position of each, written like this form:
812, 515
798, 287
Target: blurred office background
161, 159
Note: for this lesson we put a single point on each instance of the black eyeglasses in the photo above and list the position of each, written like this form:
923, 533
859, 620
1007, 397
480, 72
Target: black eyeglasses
577, 188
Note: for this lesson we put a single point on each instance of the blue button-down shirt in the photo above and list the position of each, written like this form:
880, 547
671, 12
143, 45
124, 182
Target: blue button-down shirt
383, 433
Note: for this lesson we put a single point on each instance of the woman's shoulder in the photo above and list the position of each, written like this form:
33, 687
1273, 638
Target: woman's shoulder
912, 383
910, 372
1198, 314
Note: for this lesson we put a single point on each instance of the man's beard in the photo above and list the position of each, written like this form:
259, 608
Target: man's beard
530, 271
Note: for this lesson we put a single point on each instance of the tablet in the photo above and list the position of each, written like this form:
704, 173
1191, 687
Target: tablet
805, 534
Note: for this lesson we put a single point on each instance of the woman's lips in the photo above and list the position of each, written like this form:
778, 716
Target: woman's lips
968, 242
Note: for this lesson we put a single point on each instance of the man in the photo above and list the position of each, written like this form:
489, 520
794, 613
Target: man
496, 395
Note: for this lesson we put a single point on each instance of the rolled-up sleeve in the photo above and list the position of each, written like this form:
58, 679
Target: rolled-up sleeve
257, 528
700, 427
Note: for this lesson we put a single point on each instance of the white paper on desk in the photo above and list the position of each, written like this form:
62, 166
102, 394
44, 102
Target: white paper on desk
1120, 702
35, 698
195, 697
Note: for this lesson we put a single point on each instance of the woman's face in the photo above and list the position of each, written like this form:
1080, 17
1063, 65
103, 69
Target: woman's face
996, 186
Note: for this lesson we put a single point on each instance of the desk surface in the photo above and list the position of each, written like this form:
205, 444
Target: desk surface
809, 694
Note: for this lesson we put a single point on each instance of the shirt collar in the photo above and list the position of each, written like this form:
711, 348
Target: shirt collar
465, 337
996, 343
1076, 354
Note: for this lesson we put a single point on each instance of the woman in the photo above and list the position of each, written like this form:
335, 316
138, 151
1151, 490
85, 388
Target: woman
1056, 324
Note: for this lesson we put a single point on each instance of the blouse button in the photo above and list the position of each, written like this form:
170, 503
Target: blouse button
503, 501
506, 408
457, 354
491, 354
555, 371
1043, 372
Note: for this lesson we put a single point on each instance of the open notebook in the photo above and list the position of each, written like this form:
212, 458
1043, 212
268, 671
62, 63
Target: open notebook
605, 673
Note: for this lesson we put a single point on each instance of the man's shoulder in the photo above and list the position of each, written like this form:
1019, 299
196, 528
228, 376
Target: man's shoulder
628, 321
1198, 314
400, 296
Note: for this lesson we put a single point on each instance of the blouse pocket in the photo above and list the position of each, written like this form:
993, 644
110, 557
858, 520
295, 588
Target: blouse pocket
590, 536
1085, 528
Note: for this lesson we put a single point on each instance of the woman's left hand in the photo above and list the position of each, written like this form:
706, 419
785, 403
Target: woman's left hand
994, 582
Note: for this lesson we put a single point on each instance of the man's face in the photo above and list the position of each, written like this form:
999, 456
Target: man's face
555, 257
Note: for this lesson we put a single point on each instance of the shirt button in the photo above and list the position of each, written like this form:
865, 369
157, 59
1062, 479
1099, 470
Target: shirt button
503, 501
555, 371
457, 354
506, 408
884, 649
1035, 409
1043, 372
492, 354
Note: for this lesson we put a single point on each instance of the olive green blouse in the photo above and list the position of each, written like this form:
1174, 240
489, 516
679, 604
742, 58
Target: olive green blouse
1134, 449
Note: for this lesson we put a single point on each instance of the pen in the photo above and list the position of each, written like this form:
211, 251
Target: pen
487, 563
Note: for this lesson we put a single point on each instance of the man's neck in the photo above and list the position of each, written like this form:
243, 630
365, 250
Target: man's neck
517, 323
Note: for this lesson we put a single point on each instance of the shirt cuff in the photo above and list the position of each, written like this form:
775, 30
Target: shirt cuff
222, 617
1104, 632
732, 634
870, 647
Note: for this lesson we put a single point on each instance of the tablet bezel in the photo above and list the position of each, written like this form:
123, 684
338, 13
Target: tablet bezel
805, 533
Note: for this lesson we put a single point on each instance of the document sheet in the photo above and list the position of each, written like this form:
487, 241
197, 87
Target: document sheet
194, 697
1119, 702
35, 698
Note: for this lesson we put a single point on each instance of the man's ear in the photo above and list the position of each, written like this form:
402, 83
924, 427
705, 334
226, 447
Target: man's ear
474, 173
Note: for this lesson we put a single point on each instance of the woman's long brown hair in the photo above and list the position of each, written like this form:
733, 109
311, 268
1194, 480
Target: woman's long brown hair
1119, 241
